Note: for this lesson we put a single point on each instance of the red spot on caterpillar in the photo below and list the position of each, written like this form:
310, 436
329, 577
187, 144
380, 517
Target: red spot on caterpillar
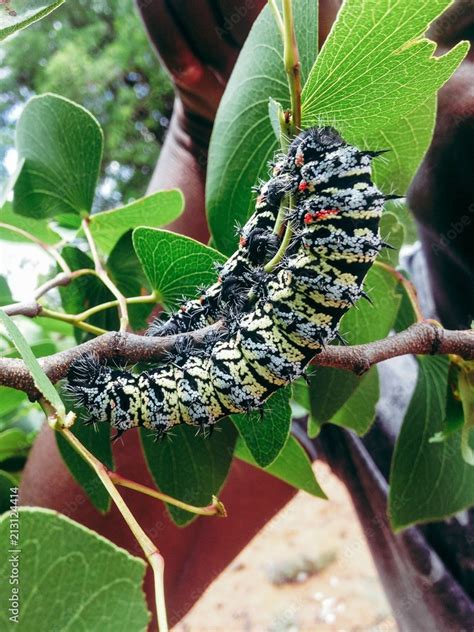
325, 213
303, 185
308, 218
242, 242
183, 309
219, 279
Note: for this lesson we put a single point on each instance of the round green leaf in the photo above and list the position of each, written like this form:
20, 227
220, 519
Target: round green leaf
175, 265
69, 577
61, 144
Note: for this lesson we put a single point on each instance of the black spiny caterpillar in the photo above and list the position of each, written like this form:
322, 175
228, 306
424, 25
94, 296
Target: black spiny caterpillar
295, 309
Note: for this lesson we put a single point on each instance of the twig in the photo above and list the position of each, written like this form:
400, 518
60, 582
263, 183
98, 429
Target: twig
292, 63
421, 338
276, 14
151, 551
104, 277
50, 250
216, 508
60, 280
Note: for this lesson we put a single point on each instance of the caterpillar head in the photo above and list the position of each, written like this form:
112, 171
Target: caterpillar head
108, 395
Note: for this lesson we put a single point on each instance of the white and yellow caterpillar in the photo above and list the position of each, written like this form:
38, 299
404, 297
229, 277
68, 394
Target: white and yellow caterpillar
293, 312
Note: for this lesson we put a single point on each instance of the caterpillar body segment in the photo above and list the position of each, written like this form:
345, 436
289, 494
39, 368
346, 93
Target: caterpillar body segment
297, 310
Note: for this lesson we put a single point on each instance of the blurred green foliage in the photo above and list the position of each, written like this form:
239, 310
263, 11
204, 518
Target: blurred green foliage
96, 53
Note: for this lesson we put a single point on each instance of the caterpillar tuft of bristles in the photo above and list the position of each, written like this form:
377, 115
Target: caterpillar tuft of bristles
275, 322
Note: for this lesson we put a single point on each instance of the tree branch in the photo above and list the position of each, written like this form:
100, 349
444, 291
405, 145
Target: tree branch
422, 338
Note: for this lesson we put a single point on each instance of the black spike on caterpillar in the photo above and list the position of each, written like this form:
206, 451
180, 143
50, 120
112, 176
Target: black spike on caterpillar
296, 309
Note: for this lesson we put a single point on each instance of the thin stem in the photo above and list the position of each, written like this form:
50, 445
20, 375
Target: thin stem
278, 19
408, 287
61, 279
50, 250
133, 300
151, 551
292, 63
271, 265
70, 318
104, 277
216, 508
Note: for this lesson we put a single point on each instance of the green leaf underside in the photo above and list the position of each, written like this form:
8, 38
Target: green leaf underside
61, 143
70, 577
157, 209
175, 265
37, 227
189, 467
343, 399
406, 314
292, 466
21, 13
243, 140
96, 440
266, 437
40, 378
376, 79
393, 233
367, 322
428, 481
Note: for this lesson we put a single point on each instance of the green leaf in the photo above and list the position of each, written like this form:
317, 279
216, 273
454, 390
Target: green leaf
157, 209
428, 481
266, 437
61, 143
97, 441
367, 321
406, 315
87, 582
10, 399
243, 140
292, 466
466, 392
37, 227
358, 412
380, 93
41, 380
23, 13
189, 467
8, 485
329, 390
126, 271
5, 294
15, 443
175, 265
393, 233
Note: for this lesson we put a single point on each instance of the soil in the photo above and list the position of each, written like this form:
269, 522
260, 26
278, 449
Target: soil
308, 570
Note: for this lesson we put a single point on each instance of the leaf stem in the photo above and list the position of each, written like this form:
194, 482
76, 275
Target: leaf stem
152, 553
133, 300
61, 279
216, 508
50, 250
292, 63
104, 277
70, 318
276, 14
408, 287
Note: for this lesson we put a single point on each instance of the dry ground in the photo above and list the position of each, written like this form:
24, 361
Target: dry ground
321, 545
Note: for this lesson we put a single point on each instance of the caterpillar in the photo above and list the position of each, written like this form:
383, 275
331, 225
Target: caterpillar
289, 317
